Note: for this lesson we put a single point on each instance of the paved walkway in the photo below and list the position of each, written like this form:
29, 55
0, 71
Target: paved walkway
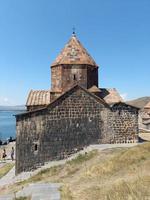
38, 191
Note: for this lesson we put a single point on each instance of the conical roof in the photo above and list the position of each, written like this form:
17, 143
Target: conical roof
74, 53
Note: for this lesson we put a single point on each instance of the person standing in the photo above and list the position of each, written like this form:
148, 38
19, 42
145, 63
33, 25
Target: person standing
4, 154
12, 153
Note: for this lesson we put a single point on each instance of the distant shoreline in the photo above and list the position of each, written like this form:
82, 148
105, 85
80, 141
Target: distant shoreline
12, 108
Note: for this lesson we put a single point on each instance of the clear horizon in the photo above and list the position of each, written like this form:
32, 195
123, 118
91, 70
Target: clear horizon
115, 33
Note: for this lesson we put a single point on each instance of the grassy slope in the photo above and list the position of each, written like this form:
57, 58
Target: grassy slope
5, 169
114, 174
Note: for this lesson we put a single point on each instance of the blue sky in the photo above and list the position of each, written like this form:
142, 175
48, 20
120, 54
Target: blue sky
32, 32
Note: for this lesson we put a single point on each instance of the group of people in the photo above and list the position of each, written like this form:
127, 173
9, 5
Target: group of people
4, 155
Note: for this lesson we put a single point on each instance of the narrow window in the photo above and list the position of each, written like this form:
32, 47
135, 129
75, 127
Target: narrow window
74, 77
35, 147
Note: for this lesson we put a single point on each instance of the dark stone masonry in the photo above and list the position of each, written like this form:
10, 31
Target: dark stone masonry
72, 115
123, 122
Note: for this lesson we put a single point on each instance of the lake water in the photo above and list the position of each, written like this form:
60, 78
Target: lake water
7, 124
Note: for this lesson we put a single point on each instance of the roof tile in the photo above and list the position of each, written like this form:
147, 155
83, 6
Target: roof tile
38, 97
74, 53
110, 95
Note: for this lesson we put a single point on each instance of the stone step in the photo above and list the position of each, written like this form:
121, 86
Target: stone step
41, 191
38, 188
7, 197
46, 197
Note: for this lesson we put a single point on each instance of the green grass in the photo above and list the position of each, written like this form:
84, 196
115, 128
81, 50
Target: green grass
22, 198
5, 169
81, 158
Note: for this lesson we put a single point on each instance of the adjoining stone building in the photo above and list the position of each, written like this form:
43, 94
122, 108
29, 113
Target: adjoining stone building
144, 117
73, 114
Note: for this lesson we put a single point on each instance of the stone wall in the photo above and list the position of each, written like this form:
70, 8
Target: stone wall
72, 122
54, 95
56, 78
92, 76
65, 77
123, 123
73, 74
144, 119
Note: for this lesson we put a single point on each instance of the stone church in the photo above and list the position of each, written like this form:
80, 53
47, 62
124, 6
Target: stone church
73, 114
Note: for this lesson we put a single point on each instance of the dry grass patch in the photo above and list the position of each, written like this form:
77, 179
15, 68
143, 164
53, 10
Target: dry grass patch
137, 189
66, 193
112, 174
123, 161
122, 176
61, 172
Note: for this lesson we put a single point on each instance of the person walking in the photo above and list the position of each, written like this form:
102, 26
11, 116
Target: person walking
12, 153
4, 154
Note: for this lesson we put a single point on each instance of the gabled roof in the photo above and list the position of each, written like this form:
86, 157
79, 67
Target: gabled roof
147, 105
74, 53
123, 103
110, 95
42, 97
38, 97
52, 104
85, 90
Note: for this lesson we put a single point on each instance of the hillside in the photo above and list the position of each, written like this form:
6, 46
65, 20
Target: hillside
140, 102
112, 174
